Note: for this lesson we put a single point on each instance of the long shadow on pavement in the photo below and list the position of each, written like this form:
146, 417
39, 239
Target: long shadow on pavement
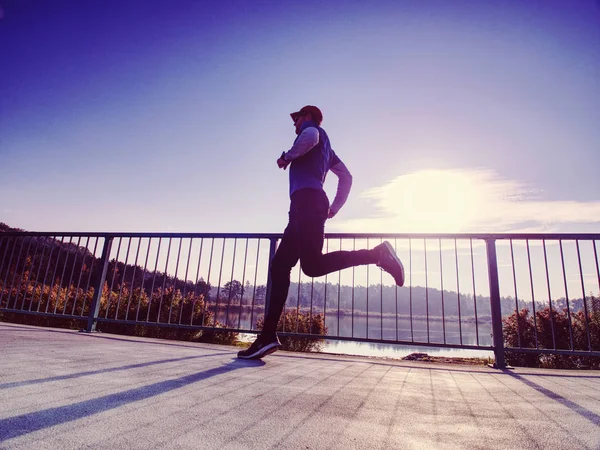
108, 336
96, 372
12, 427
589, 415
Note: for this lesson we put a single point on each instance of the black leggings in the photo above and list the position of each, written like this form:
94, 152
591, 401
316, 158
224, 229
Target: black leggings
303, 240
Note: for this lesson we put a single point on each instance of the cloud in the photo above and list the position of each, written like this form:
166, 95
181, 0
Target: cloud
466, 200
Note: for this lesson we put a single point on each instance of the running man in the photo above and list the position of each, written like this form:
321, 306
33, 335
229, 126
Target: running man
310, 158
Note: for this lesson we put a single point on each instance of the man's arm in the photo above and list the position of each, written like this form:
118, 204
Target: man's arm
343, 189
303, 144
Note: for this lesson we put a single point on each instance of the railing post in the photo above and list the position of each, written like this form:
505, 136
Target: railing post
95, 306
272, 249
495, 303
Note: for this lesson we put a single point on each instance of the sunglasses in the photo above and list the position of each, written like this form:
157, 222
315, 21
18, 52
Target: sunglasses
298, 116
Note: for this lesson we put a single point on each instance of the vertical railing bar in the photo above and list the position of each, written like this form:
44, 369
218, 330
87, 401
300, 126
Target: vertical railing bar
297, 301
312, 288
368, 294
76, 253
26, 286
4, 259
165, 276
458, 294
310, 311
151, 297
339, 295
517, 313
243, 285
20, 274
231, 282
53, 279
549, 295
193, 308
255, 280
35, 250
17, 272
597, 267
495, 303
426, 289
123, 279
410, 305
70, 283
596, 260
7, 240
12, 253
207, 287
219, 285
187, 268
325, 294
562, 260
2, 241
132, 285
83, 253
143, 282
353, 275
20, 284
62, 276
52, 241
442, 289
196, 286
37, 276
396, 291
13, 242
585, 309
532, 295
68, 288
95, 305
175, 281
474, 294
89, 276
112, 281
381, 299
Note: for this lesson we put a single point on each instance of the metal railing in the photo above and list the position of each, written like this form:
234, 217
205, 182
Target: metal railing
526, 293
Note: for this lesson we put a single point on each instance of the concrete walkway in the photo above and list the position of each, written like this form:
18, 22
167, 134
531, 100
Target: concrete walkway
61, 389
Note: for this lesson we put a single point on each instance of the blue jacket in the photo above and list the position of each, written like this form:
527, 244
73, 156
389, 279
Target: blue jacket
310, 170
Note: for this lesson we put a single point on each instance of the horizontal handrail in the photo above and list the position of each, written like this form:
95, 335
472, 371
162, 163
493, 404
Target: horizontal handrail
483, 236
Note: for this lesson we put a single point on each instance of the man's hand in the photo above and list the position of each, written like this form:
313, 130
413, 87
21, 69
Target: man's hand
330, 214
282, 163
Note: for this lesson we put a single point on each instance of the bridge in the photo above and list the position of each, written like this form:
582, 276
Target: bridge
520, 296
532, 294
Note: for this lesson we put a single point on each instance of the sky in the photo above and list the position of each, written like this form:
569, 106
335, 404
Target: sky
459, 116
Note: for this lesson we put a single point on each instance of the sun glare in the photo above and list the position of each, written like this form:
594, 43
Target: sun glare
430, 201
465, 200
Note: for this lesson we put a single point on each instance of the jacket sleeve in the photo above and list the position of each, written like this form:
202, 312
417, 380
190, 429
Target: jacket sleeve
344, 185
303, 144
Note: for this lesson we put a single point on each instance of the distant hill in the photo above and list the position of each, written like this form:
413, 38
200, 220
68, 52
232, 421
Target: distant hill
4, 228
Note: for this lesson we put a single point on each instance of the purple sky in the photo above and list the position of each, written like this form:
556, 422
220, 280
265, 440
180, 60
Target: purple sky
169, 116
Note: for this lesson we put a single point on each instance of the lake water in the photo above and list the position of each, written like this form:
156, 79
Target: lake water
397, 350
392, 328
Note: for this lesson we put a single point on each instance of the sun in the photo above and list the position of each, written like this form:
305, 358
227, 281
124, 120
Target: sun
430, 201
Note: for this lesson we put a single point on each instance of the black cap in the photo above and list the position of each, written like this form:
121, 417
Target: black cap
315, 113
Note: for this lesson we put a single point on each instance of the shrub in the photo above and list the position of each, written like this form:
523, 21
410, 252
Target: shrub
120, 303
302, 322
519, 330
